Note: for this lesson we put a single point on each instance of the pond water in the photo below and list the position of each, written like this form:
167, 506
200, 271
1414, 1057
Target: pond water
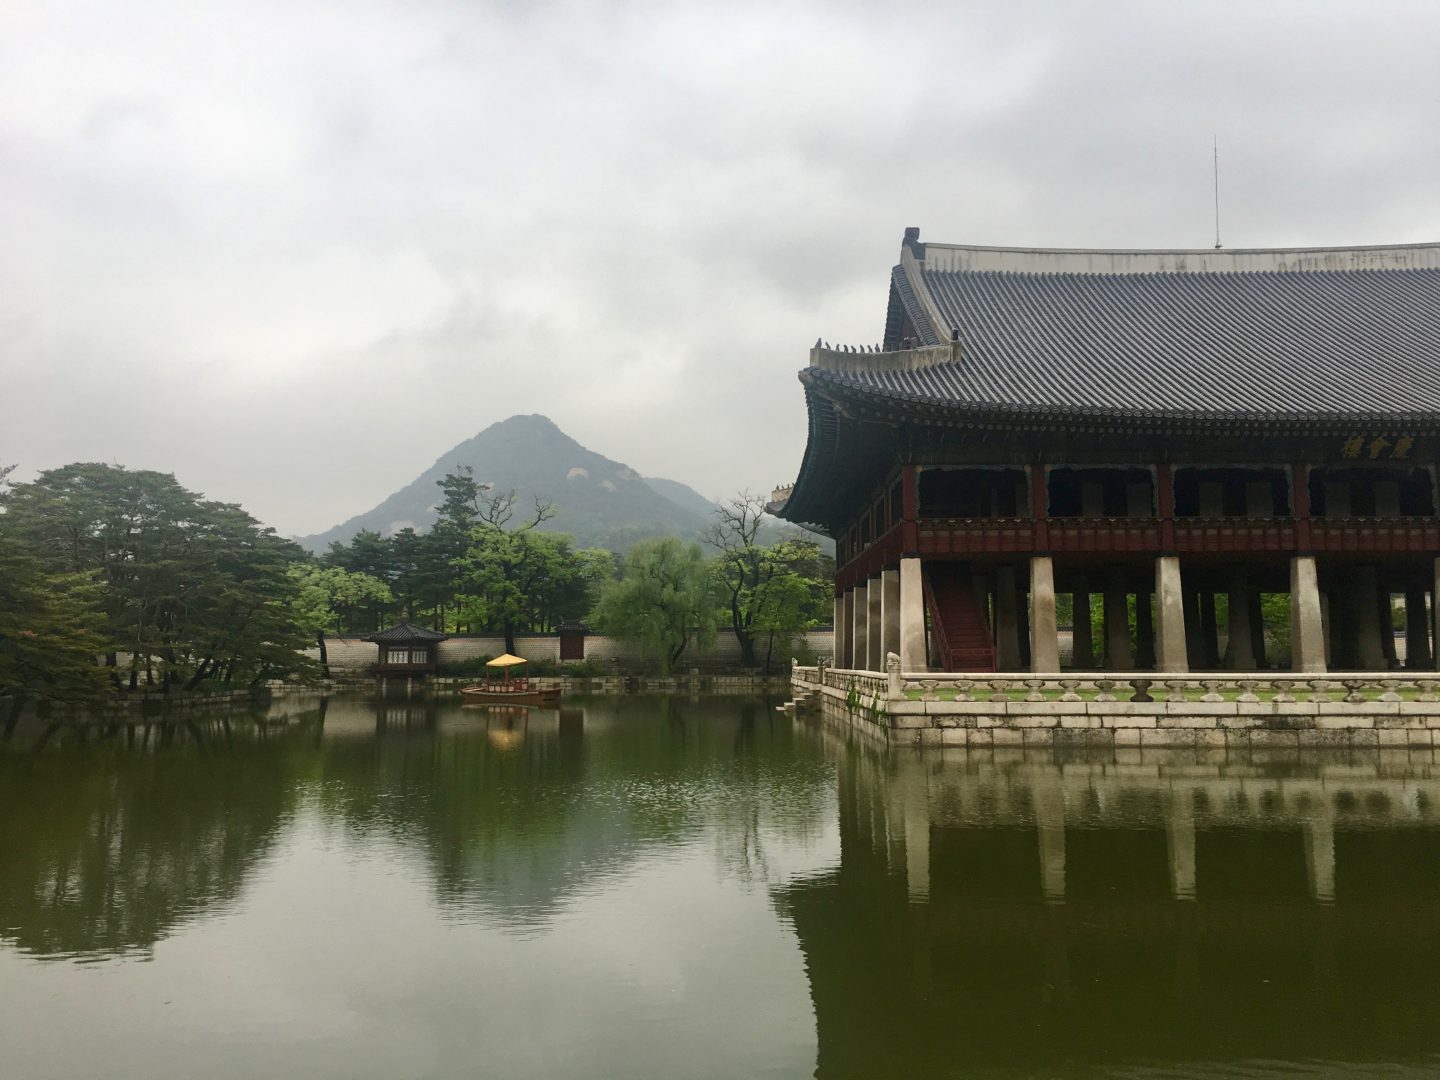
674, 887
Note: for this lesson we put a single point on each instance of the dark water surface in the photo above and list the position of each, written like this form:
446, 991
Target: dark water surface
667, 887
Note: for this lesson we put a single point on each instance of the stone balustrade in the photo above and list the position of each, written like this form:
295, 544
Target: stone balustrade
1149, 708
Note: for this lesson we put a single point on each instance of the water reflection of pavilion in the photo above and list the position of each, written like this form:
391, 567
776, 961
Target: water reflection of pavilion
1030, 912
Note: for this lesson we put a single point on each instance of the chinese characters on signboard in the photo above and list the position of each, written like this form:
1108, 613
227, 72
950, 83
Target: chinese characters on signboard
1378, 447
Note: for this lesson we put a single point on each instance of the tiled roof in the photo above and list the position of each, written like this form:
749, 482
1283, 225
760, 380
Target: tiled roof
1312, 343
404, 632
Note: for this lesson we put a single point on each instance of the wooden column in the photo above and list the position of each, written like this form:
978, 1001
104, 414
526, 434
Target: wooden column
1300, 505
1040, 507
1082, 651
910, 509
1165, 506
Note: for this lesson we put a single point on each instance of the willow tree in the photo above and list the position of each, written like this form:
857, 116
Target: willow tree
664, 600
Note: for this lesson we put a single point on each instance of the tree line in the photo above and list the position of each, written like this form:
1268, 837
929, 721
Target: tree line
115, 580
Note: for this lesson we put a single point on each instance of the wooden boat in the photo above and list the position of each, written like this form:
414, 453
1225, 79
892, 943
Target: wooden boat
507, 684
491, 696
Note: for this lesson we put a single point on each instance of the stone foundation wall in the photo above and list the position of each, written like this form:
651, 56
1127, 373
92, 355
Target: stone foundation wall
1283, 712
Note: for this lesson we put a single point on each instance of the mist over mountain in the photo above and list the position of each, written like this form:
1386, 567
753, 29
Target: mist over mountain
602, 503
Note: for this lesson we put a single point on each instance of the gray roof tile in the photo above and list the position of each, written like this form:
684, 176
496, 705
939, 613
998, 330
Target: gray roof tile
1310, 343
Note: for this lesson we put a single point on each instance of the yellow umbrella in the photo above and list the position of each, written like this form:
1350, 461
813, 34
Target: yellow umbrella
505, 660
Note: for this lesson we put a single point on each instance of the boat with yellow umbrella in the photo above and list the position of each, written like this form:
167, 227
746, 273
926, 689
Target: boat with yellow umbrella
507, 682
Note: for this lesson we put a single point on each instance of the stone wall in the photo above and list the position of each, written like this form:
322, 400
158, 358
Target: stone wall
356, 654
1358, 709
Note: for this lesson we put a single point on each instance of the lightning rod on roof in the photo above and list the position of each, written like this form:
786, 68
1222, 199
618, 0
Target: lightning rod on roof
1215, 147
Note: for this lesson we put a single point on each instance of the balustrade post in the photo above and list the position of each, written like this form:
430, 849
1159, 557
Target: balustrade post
895, 682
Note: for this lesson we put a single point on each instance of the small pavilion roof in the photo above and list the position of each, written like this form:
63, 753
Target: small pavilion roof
405, 632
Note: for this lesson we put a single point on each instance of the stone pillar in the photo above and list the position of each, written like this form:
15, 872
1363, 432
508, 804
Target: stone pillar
1386, 614
1044, 637
859, 627
890, 613
1365, 613
874, 651
1081, 637
1118, 655
1326, 632
1240, 650
1007, 626
1144, 630
913, 654
1257, 630
1172, 645
1209, 630
1180, 839
1307, 632
843, 618
1417, 631
1435, 612
1194, 637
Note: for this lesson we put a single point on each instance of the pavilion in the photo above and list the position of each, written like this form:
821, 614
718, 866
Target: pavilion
406, 649
1175, 432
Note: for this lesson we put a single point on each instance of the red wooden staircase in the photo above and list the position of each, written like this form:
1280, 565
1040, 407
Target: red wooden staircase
957, 618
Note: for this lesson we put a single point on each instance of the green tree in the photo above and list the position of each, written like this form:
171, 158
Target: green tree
771, 593
371, 554
326, 599
663, 599
518, 578
740, 566
791, 595
49, 637
192, 590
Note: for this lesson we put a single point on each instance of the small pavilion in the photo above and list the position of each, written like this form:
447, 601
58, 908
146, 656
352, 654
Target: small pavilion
406, 649
1184, 438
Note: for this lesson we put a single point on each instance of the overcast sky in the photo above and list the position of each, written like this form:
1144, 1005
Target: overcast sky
293, 252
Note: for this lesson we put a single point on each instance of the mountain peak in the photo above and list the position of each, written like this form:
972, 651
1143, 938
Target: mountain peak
599, 501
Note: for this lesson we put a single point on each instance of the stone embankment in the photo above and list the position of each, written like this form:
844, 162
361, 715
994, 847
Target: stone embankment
1261, 710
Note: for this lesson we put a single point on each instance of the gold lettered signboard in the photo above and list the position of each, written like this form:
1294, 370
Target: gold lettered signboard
1373, 447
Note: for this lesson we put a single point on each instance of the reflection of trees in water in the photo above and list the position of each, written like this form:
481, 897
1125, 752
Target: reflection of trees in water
113, 835
514, 826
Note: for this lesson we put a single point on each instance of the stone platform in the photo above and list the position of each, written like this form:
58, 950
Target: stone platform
1254, 711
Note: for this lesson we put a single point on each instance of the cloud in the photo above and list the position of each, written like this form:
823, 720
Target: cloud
296, 252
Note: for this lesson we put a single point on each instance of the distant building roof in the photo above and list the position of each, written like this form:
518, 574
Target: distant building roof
406, 632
